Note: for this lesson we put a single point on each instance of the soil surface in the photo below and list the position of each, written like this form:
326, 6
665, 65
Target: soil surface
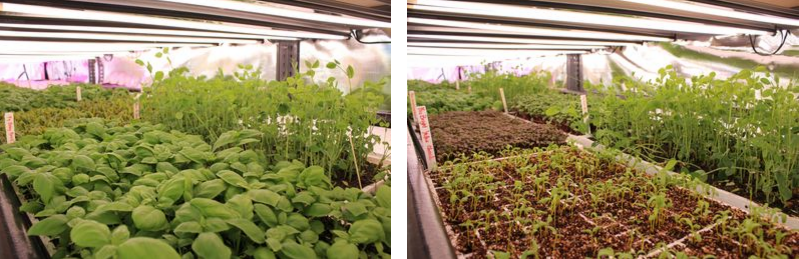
567, 203
459, 133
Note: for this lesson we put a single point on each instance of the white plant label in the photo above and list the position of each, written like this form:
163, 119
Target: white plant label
412, 96
10, 132
78, 94
584, 103
136, 110
427, 138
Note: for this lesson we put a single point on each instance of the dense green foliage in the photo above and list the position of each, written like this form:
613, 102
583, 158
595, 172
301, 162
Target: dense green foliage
135, 191
555, 108
14, 99
514, 86
298, 118
439, 98
36, 121
743, 128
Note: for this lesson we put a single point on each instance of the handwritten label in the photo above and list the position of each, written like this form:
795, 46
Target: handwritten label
77, 93
584, 103
412, 96
10, 132
427, 138
136, 110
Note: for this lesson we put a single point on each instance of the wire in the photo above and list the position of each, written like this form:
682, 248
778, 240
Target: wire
356, 36
784, 34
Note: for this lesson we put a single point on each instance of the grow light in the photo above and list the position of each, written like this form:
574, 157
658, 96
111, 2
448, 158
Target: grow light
149, 20
81, 46
142, 31
521, 12
485, 52
487, 28
283, 12
518, 40
119, 37
499, 46
717, 11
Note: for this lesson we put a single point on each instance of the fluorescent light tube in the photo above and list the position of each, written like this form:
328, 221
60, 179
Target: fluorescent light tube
283, 12
499, 46
119, 37
142, 31
717, 11
85, 46
151, 20
523, 12
517, 40
536, 31
484, 52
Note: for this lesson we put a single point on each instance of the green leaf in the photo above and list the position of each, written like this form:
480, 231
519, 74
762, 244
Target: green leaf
342, 249
266, 214
366, 231
383, 196
51, 226
144, 247
355, 208
318, 210
149, 218
140, 62
159, 75
263, 253
250, 229
212, 208
120, 235
233, 178
210, 246
265, 196
242, 204
209, 189
106, 252
89, 233
83, 162
350, 72
44, 184
189, 227
159, 54
292, 250
331, 65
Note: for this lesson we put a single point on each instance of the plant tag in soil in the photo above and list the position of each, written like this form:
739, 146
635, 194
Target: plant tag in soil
412, 96
427, 138
77, 93
10, 133
136, 110
584, 103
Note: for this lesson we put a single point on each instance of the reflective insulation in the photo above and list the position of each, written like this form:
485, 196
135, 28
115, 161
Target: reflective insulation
723, 55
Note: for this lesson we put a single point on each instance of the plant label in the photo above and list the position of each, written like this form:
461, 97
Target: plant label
412, 96
457, 84
10, 133
584, 103
427, 138
77, 93
136, 110
504, 103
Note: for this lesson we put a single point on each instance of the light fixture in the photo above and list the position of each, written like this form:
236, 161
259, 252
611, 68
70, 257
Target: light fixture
283, 12
157, 21
533, 31
498, 46
42, 58
522, 12
142, 31
484, 52
87, 46
716, 11
118, 37
518, 40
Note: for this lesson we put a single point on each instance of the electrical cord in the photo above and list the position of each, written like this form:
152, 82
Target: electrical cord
356, 36
784, 34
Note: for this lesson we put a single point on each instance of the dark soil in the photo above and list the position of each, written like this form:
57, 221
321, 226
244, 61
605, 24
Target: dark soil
367, 177
459, 133
503, 205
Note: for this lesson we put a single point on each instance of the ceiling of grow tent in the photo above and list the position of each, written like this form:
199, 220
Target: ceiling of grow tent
565, 26
132, 25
